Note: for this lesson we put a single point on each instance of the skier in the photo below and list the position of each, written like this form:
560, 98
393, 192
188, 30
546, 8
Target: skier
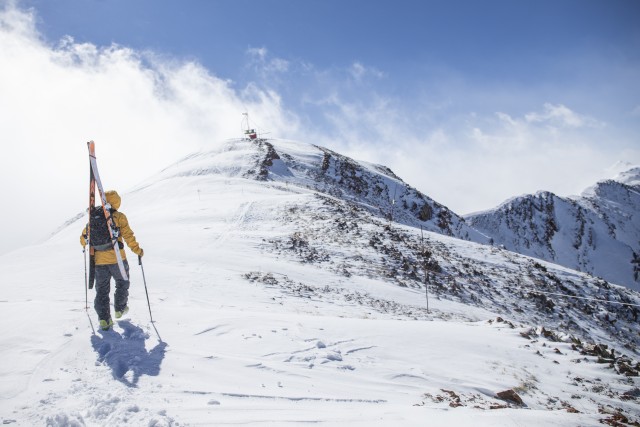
106, 266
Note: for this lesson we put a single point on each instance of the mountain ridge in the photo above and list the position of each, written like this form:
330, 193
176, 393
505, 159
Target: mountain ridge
597, 232
375, 186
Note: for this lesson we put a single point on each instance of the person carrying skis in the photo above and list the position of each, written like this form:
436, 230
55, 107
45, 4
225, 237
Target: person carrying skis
106, 265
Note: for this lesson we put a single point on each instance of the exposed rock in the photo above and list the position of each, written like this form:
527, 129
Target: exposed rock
576, 232
426, 213
510, 396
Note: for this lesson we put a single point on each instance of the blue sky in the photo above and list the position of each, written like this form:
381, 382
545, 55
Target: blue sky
493, 39
435, 60
412, 48
472, 102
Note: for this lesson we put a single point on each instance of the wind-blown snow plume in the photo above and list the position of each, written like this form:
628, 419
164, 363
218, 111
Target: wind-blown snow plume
57, 97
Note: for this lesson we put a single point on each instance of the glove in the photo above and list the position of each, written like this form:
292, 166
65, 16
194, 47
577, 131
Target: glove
141, 254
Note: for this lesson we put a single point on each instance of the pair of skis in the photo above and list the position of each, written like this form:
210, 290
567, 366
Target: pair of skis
94, 181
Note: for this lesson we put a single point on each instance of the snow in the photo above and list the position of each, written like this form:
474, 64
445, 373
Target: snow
246, 333
630, 176
598, 233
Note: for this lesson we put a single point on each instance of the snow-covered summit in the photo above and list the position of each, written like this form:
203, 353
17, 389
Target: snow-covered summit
371, 186
629, 177
598, 232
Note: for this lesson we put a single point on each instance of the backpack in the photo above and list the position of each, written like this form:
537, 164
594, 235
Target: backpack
99, 237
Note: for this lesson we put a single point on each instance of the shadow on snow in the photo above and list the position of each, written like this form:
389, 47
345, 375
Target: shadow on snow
126, 354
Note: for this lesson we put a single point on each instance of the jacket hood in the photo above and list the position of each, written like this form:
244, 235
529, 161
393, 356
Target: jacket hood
113, 198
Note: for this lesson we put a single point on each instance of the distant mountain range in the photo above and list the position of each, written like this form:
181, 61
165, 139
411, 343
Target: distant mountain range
597, 232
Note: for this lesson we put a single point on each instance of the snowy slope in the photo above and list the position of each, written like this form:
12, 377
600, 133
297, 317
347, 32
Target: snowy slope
598, 232
277, 303
373, 187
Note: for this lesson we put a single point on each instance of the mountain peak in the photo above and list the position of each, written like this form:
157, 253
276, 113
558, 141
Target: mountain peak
310, 167
597, 233
630, 177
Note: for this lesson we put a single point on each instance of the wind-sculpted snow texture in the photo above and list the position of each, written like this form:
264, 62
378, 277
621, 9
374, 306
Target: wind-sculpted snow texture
598, 233
284, 295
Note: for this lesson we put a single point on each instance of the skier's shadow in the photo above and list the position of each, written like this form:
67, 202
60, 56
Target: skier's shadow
126, 354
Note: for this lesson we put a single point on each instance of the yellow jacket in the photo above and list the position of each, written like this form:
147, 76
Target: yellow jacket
109, 256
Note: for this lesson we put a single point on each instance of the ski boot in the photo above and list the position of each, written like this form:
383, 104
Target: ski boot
121, 313
105, 325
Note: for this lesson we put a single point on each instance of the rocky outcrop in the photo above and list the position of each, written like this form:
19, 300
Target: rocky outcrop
597, 233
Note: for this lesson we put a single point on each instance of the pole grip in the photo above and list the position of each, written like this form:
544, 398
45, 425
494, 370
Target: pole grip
139, 260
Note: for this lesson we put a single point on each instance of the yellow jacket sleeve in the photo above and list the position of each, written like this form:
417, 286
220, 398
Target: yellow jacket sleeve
83, 238
127, 233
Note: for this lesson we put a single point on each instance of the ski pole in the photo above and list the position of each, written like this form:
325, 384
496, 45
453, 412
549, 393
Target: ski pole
424, 260
86, 292
144, 280
86, 281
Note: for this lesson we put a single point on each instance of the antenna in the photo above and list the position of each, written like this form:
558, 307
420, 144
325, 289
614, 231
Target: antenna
249, 132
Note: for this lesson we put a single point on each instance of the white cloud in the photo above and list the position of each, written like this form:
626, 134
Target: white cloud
475, 161
264, 64
143, 112
259, 53
561, 115
359, 72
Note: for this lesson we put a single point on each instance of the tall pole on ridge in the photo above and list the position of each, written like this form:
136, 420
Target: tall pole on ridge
424, 264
